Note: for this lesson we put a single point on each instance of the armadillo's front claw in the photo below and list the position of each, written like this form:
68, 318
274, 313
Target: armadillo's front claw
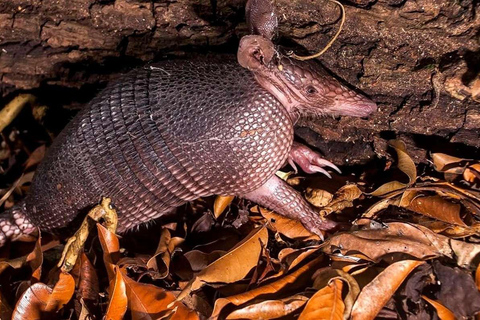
309, 160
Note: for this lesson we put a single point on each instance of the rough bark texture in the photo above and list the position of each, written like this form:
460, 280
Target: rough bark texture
419, 60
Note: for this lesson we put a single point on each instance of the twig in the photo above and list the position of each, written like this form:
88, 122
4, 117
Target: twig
318, 54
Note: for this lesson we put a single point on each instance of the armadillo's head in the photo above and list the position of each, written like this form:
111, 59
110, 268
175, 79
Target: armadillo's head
303, 87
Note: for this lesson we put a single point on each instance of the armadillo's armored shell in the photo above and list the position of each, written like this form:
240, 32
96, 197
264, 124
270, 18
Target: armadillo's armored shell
163, 135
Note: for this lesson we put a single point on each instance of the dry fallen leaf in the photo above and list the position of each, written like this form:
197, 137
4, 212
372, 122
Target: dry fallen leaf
40, 298
117, 305
405, 164
147, 301
326, 303
376, 294
111, 249
270, 309
289, 281
397, 237
443, 312
221, 203
160, 261
324, 276
290, 228
232, 266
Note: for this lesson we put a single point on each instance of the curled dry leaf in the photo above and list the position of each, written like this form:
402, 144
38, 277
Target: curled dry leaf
290, 228
164, 252
40, 298
88, 286
221, 203
288, 282
446, 163
270, 309
342, 199
443, 312
13, 108
111, 249
458, 291
326, 303
323, 278
117, 305
34, 259
35, 157
414, 240
376, 294
232, 266
405, 164
318, 197
472, 173
200, 260
149, 302
432, 206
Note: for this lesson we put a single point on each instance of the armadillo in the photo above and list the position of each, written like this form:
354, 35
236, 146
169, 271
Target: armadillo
178, 130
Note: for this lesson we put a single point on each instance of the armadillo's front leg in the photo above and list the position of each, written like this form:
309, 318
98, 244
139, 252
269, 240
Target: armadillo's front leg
309, 160
278, 196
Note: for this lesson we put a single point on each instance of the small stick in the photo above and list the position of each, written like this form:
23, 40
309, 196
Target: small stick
318, 54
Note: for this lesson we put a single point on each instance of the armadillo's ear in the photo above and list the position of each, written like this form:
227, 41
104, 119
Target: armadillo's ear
261, 18
255, 52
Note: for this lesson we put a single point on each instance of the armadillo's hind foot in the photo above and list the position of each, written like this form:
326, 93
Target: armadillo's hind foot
276, 195
14, 224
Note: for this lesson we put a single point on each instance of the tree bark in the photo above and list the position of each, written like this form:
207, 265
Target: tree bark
419, 60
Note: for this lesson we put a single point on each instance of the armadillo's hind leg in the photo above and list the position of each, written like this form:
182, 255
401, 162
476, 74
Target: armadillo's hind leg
14, 224
278, 196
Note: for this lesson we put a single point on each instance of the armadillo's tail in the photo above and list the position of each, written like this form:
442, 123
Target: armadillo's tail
14, 224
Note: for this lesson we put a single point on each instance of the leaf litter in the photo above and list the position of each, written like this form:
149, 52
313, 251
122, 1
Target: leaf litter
408, 249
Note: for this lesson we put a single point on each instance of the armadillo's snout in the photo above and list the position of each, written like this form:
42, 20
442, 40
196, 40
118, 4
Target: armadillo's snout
353, 104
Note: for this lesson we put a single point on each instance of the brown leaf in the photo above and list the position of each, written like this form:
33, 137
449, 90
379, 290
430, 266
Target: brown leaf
200, 260
443, 312
445, 163
405, 164
376, 294
323, 278
270, 309
88, 286
40, 298
342, 199
111, 249
221, 203
31, 303
35, 157
234, 265
432, 206
160, 261
326, 303
458, 291
318, 197
289, 282
35, 260
414, 240
61, 293
13, 108
290, 228
147, 301
117, 306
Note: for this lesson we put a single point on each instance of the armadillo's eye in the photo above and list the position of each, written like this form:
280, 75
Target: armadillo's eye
310, 90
